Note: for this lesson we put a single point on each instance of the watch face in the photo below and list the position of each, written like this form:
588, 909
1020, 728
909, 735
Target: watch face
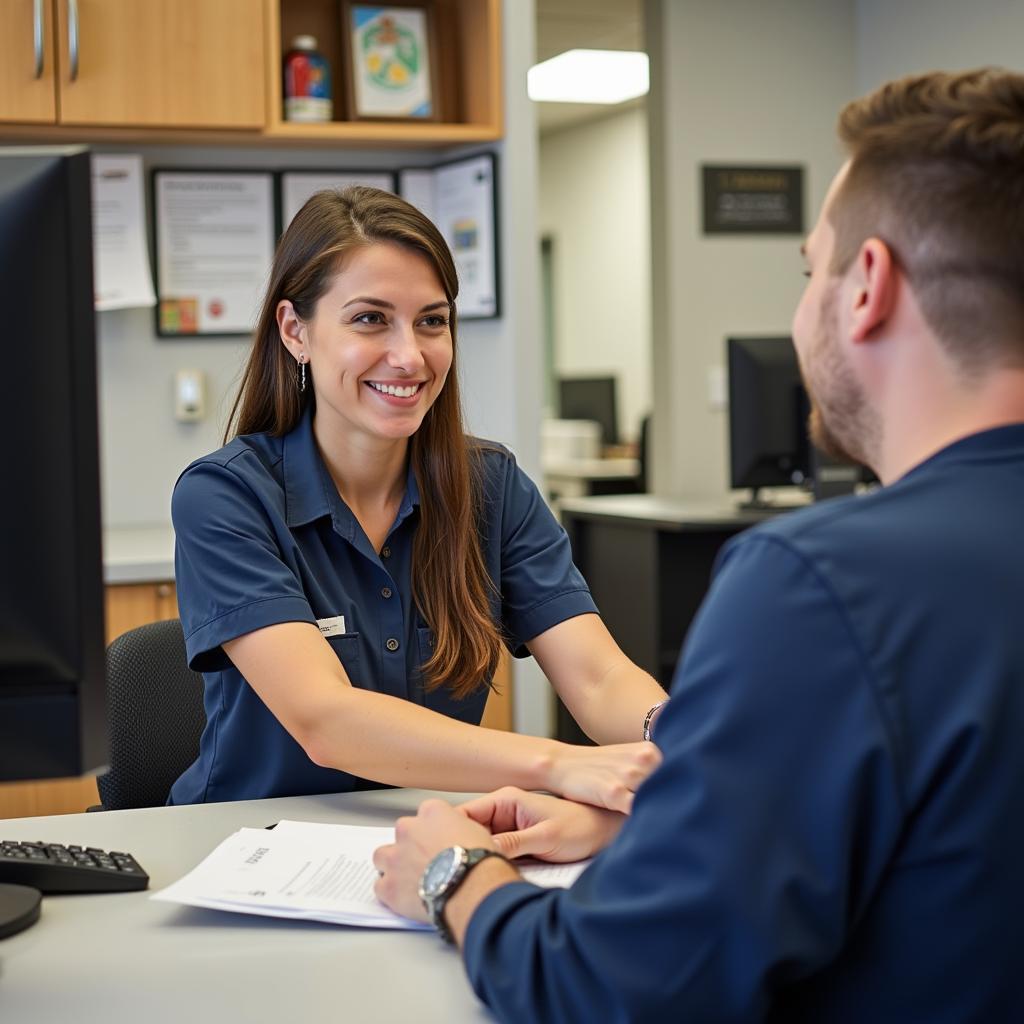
440, 870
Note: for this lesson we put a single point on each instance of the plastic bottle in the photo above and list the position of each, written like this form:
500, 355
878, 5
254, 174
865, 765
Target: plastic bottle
307, 82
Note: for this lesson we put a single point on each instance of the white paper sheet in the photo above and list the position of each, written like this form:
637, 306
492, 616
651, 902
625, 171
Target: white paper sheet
123, 279
311, 871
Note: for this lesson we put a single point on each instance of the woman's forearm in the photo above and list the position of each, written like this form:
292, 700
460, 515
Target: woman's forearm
613, 709
607, 694
393, 741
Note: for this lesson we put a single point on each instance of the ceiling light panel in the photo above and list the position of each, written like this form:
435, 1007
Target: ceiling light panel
590, 76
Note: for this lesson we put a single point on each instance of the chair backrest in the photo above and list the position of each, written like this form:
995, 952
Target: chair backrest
155, 715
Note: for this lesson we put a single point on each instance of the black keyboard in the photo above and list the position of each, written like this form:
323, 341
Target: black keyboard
53, 868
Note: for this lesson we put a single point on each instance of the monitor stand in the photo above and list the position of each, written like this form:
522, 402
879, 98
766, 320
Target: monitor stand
19, 908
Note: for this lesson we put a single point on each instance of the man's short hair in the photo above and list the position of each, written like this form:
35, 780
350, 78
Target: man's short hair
937, 173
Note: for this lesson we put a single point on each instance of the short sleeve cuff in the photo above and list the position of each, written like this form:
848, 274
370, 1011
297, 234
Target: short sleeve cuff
203, 644
524, 626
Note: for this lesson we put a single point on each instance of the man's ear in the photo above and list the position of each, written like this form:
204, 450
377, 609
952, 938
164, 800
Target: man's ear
873, 277
291, 328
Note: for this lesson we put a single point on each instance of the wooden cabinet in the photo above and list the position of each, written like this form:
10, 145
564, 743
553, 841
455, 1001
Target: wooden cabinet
211, 71
162, 63
134, 604
28, 78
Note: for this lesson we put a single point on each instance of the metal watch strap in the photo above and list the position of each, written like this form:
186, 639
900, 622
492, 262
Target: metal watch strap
650, 717
473, 857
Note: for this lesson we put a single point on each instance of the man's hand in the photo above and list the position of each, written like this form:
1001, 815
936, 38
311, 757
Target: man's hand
436, 826
531, 824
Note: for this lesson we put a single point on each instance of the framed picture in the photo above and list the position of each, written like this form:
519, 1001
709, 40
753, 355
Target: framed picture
391, 60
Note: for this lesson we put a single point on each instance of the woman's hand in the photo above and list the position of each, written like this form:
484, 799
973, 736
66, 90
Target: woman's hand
532, 824
605, 776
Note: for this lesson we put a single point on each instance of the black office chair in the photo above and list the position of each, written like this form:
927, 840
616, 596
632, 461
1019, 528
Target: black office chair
155, 715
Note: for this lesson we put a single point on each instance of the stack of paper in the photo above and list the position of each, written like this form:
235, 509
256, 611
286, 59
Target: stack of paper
311, 871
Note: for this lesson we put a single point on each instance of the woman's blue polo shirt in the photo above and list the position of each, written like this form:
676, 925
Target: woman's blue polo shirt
262, 536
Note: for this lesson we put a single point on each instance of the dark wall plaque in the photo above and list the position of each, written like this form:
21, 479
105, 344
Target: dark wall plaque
753, 200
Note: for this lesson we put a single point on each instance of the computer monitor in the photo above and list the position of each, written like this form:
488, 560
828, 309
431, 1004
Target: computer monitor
590, 398
768, 408
52, 685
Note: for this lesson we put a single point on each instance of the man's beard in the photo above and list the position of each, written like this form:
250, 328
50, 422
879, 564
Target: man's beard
841, 423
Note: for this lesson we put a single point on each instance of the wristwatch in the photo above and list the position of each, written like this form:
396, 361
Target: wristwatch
443, 876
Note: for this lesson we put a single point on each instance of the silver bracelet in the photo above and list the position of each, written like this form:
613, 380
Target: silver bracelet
650, 715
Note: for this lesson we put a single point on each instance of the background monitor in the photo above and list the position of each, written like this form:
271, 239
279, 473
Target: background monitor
768, 409
52, 685
590, 398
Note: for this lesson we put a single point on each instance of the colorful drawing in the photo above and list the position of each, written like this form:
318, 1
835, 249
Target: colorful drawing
179, 316
391, 61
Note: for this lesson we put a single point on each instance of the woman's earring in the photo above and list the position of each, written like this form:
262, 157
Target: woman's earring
302, 373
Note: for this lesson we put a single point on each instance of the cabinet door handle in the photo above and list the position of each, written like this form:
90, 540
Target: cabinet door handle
37, 35
163, 590
73, 37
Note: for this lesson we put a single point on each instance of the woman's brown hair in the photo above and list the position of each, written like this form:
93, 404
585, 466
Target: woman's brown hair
450, 583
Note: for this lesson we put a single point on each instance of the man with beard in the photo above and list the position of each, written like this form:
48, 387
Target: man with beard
836, 830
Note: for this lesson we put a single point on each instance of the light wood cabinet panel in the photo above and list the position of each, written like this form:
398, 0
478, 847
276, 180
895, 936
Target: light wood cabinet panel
27, 62
134, 604
166, 63
54, 796
498, 712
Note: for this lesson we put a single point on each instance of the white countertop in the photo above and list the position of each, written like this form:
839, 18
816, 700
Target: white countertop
138, 554
592, 469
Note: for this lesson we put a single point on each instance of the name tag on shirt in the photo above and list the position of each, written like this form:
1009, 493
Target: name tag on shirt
332, 627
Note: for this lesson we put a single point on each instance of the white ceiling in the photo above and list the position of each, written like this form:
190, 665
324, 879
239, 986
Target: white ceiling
585, 24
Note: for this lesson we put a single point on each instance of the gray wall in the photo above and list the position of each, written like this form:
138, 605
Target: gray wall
594, 205
900, 37
742, 81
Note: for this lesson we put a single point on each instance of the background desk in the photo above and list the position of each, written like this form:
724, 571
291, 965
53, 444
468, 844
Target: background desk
124, 958
648, 562
577, 478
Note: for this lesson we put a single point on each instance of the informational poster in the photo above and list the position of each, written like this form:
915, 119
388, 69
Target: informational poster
460, 197
298, 186
753, 200
214, 249
120, 254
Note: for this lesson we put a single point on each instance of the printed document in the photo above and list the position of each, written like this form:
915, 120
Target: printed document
311, 871
120, 253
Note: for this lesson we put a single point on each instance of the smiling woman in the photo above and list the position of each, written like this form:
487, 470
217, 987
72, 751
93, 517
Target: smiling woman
351, 562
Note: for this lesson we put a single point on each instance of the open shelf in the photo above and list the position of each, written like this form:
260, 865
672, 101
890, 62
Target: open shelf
468, 36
